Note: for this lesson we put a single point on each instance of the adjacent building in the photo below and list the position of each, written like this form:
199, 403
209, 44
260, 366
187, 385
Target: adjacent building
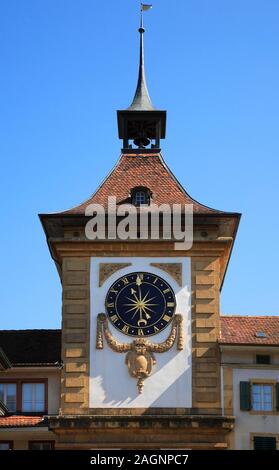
250, 379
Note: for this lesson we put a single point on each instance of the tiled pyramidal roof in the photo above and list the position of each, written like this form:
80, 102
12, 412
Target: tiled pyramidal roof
149, 170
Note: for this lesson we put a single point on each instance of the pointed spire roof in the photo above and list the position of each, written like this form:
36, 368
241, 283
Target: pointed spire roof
141, 123
141, 101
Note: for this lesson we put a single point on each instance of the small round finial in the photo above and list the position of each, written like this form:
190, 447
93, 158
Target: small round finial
141, 30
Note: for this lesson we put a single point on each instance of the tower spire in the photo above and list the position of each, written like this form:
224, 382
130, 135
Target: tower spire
141, 126
141, 101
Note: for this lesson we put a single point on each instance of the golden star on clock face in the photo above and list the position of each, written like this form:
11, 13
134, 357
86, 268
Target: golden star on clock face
140, 304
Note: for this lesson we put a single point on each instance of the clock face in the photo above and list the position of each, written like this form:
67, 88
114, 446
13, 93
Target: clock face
140, 304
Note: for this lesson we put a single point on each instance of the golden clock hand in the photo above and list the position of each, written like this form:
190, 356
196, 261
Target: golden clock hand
144, 307
147, 304
147, 314
135, 305
140, 305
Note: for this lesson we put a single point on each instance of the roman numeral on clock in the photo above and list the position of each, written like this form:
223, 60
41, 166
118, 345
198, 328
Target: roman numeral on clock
166, 318
114, 318
166, 290
125, 329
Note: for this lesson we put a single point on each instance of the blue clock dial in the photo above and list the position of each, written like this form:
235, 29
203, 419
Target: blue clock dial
140, 304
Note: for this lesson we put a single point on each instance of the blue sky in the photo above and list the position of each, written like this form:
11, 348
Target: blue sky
67, 66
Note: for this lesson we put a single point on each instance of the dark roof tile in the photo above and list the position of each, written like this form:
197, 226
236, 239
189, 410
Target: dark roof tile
27, 347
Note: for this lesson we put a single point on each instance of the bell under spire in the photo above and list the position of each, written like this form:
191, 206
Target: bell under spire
141, 126
141, 101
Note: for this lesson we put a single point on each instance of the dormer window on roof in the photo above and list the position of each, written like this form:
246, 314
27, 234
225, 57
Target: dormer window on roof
140, 196
260, 334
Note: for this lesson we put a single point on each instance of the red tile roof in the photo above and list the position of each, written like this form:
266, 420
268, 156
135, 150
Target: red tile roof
147, 170
32, 350
20, 421
236, 329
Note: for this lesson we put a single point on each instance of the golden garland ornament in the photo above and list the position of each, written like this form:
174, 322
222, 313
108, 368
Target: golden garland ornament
140, 358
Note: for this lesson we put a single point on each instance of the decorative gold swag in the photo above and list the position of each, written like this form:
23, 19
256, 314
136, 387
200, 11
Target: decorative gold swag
140, 358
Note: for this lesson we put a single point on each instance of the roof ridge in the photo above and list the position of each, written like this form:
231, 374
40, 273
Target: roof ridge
224, 315
101, 184
181, 187
66, 211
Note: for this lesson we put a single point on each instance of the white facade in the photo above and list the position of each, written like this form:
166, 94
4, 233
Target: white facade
170, 384
242, 361
247, 423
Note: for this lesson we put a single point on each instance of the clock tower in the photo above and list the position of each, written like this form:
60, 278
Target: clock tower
140, 316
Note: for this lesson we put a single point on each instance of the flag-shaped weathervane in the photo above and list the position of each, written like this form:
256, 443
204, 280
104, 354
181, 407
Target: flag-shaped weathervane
145, 7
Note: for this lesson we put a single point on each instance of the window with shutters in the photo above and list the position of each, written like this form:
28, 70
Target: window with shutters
259, 397
264, 443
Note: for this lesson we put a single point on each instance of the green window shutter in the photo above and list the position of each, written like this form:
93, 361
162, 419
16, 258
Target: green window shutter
245, 396
264, 443
277, 396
